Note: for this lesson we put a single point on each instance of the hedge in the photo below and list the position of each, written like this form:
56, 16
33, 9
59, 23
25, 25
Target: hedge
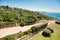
26, 32
58, 22
35, 28
50, 29
46, 33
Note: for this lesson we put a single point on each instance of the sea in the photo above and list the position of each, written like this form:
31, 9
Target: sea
54, 15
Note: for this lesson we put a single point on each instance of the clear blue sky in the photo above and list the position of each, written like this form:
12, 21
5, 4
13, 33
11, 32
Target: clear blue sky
35, 5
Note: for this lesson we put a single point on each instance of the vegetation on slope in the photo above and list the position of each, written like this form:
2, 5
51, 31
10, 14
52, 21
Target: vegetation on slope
12, 15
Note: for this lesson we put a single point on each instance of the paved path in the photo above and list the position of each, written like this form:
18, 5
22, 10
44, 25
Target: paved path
12, 30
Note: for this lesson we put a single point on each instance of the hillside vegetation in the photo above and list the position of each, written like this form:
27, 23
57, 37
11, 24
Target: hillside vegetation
12, 15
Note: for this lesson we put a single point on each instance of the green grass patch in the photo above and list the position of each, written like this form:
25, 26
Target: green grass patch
54, 36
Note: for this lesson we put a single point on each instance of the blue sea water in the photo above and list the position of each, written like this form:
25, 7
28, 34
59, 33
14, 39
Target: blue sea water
55, 15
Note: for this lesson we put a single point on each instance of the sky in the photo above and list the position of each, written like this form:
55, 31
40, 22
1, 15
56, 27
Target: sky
34, 5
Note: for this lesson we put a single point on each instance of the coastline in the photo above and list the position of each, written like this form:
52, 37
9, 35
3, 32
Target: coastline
54, 15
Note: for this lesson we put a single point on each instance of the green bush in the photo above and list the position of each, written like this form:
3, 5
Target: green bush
30, 31
49, 28
10, 37
26, 32
46, 33
22, 23
20, 34
34, 29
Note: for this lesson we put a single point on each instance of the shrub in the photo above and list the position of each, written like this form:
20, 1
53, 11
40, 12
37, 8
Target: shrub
20, 34
46, 33
22, 23
34, 29
50, 29
30, 31
58, 22
10, 37
26, 32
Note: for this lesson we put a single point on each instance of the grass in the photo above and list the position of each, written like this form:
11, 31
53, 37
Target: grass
54, 36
